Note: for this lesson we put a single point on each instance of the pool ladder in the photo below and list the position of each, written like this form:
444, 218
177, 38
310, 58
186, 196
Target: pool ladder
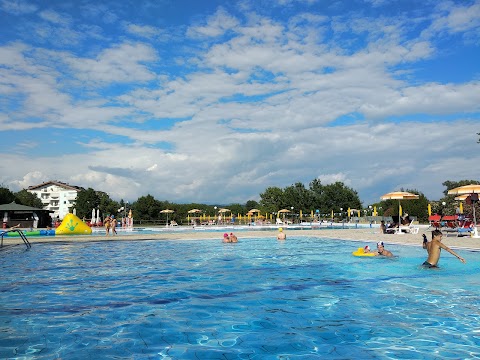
22, 235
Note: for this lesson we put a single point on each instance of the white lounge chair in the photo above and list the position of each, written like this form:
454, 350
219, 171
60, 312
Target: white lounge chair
279, 221
410, 228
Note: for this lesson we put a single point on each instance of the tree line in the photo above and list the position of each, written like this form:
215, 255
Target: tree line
318, 198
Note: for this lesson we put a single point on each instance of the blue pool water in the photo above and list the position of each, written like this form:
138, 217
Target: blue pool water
305, 298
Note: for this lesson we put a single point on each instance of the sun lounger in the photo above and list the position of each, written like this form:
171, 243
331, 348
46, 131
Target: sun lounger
407, 229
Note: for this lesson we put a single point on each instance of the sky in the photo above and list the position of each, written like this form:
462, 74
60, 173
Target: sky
214, 101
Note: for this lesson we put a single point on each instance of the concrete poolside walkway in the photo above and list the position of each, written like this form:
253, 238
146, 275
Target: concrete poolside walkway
364, 235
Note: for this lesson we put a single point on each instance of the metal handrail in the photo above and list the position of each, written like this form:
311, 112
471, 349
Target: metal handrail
22, 236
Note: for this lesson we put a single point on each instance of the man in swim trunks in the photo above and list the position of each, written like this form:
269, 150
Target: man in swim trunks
435, 247
381, 251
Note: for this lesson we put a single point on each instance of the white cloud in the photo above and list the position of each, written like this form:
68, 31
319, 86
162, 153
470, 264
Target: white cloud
145, 31
216, 25
121, 63
18, 7
270, 104
55, 17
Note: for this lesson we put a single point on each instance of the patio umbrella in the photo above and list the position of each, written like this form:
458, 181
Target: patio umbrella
193, 211
284, 211
399, 195
167, 211
468, 190
93, 221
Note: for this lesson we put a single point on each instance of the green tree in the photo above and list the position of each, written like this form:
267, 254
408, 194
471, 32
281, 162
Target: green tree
252, 204
237, 209
6, 196
27, 198
147, 208
86, 201
272, 199
337, 195
298, 197
107, 206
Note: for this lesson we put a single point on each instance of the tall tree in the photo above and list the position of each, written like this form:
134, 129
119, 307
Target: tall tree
337, 195
298, 197
6, 196
272, 199
27, 198
251, 204
86, 201
147, 208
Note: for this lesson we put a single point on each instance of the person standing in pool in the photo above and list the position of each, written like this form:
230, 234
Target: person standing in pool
106, 223
233, 238
434, 249
381, 251
226, 238
281, 235
113, 225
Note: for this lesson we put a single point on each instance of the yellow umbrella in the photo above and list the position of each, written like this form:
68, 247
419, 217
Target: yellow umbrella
311, 214
468, 190
348, 215
167, 211
399, 195
429, 209
332, 213
358, 213
193, 211
461, 208
284, 211
375, 211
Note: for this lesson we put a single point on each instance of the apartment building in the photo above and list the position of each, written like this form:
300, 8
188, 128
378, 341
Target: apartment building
56, 196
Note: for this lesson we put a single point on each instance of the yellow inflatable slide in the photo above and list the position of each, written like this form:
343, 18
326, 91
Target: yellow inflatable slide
73, 225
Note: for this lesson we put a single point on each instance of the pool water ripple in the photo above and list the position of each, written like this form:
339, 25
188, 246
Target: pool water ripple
300, 299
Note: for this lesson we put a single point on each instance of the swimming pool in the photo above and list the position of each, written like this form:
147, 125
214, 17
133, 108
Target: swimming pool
304, 298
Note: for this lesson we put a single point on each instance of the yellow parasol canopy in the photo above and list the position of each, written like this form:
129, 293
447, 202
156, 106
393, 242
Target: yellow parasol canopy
399, 195
468, 190
167, 211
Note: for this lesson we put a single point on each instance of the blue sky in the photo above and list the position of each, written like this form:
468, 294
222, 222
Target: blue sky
214, 101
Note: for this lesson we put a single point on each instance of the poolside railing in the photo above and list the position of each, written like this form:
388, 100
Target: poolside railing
22, 236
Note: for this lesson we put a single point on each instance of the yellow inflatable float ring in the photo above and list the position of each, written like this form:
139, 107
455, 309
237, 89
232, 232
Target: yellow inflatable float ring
361, 252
